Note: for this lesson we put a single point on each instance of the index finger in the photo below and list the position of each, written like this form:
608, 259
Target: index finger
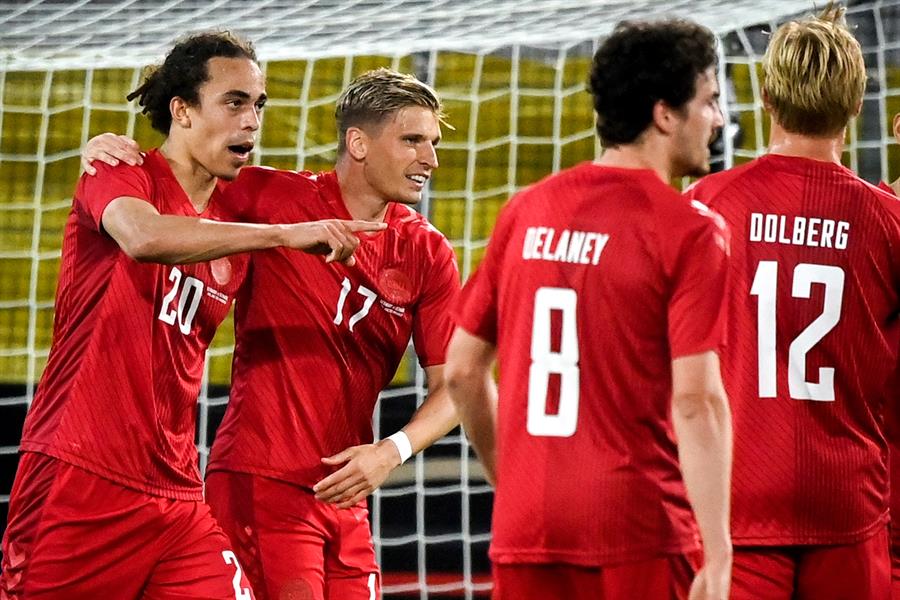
360, 225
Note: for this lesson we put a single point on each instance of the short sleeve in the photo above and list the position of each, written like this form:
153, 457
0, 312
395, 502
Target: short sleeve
476, 311
95, 192
697, 307
432, 322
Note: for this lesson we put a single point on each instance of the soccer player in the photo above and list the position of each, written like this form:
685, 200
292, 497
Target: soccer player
293, 460
601, 296
813, 332
107, 501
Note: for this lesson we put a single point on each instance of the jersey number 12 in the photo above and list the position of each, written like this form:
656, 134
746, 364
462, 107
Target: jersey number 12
764, 286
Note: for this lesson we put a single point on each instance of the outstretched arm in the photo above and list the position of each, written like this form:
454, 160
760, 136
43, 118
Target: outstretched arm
148, 236
365, 468
470, 379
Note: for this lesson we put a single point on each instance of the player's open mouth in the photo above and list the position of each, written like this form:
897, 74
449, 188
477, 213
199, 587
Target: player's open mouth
241, 151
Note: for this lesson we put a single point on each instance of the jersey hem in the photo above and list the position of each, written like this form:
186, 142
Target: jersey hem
581, 559
259, 472
189, 494
814, 539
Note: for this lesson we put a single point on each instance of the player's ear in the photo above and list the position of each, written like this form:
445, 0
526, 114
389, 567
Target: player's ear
897, 127
357, 143
765, 100
178, 108
664, 117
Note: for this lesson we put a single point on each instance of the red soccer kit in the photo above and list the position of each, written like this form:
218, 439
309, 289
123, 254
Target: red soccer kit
813, 339
118, 397
316, 343
594, 281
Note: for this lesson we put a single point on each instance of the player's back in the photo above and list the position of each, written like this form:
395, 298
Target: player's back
813, 337
588, 263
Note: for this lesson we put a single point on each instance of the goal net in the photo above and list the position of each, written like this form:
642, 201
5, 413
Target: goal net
512, 75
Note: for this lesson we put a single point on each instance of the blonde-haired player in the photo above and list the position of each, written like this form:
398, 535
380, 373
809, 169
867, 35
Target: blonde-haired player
813, 333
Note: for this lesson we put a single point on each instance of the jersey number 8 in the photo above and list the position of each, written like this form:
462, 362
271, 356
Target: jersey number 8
545, 361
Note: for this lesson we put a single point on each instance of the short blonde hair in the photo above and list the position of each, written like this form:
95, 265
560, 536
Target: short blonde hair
815, 75
375, 95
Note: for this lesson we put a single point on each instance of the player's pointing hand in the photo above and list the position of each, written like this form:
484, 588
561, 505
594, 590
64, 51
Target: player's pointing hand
333, 237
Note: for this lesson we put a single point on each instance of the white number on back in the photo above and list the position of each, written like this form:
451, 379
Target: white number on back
240, 593
765, 284
188, 302
544, 362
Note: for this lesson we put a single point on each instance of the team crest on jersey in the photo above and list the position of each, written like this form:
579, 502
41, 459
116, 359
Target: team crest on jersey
221, 270
395, 286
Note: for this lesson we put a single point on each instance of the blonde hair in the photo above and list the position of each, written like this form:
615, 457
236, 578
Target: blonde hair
815, 75
375, 95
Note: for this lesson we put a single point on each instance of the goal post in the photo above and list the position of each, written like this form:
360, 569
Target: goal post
513, 77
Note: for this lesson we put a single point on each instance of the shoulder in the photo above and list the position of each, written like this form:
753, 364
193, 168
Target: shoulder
886, 202
418, 231
139, 176
710, 187
256, 179
264, 193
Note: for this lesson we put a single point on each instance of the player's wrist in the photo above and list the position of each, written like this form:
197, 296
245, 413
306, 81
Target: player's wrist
403, 445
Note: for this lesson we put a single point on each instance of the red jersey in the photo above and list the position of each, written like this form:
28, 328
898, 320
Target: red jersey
315, 343
119, 395
594, 280
813, 337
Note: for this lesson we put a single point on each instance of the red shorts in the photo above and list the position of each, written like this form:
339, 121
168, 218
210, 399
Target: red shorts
292, 545
667, 577
860, 570
73, 534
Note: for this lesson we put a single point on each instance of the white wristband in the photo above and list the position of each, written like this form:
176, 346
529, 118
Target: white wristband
403, 446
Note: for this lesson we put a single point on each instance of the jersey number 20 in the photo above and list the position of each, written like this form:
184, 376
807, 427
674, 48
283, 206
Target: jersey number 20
545, 361
764, 287
185, 309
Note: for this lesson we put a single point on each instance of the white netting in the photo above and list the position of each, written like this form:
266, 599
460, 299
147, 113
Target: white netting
513, 77
45, 34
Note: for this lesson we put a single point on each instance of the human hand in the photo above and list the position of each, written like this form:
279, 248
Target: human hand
365, 468
333, 237
713, 581
111, 149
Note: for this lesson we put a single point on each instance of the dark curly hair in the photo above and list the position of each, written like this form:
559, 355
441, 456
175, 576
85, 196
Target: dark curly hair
183, 71
640, 63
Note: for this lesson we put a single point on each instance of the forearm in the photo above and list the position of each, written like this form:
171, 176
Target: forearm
703, 426
432, 421
475, 397
170, 239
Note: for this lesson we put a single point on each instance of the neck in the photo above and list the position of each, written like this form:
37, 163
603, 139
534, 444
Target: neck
896, 186
195, 180
826, 149
639, 155
361, 200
